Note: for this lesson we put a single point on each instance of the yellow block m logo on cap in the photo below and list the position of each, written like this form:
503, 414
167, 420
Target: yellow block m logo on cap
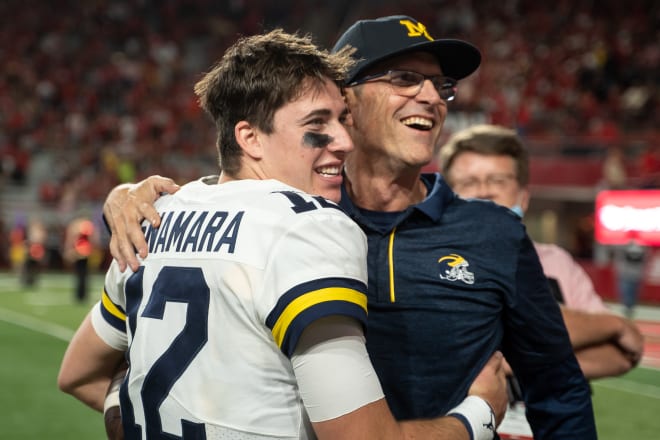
416, 29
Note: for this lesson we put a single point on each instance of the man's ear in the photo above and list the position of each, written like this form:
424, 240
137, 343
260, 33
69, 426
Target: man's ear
248, 138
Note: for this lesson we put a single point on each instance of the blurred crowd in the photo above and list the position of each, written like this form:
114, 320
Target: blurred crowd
105, 86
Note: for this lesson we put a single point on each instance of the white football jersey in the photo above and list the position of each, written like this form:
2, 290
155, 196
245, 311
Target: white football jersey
235, 273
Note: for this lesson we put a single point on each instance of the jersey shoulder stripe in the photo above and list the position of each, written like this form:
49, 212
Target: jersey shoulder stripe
318, 311
312, 300
112, 313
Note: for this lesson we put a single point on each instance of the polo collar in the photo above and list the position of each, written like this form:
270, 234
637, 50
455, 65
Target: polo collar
437, 199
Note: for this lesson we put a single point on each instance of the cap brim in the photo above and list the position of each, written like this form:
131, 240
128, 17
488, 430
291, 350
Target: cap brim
458, 59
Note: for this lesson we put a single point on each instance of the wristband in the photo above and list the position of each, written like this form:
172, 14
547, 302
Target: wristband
477, 416
112, 396
111, 399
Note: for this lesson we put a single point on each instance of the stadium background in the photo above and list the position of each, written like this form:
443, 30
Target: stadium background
99, 92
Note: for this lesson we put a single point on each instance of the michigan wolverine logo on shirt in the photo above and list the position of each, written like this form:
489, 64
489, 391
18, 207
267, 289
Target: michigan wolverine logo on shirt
416, 29
455, 269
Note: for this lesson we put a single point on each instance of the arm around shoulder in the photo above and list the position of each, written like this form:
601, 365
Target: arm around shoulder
375, 421
344, 399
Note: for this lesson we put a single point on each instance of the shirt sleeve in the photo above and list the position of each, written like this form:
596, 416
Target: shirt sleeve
576, 285
537, 346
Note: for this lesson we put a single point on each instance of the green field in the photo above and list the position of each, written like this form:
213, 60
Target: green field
36, 323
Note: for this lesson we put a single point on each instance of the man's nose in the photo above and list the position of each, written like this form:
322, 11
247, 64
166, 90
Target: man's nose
429, 93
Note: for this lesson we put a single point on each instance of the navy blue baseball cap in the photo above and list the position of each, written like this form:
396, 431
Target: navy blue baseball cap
382, 38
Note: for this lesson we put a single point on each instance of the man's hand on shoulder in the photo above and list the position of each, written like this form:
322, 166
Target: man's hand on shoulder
125, 208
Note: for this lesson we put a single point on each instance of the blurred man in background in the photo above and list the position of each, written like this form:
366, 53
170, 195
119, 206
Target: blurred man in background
78, 247
37, 234
629, 264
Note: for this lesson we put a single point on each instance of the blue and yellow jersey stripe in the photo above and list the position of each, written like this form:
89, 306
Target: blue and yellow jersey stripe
307, 302
112, 313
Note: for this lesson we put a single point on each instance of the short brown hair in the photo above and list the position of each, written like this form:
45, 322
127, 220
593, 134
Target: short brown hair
256, 76
489, 140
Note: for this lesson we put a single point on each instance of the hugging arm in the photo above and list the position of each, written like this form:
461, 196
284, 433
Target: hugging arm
344, 400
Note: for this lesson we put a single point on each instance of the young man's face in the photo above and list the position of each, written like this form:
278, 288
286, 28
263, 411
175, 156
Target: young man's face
388, 122
309, 142
491, 177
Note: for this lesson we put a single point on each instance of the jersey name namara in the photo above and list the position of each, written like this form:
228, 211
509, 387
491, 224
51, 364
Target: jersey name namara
196, 231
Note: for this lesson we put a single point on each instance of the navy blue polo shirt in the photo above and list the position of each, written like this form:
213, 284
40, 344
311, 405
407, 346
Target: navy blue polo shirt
450, 282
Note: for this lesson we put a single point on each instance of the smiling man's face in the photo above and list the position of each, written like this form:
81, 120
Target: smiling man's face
389, 124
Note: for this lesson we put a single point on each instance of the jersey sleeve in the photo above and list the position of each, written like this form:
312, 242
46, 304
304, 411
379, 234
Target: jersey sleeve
109, 315
317, 269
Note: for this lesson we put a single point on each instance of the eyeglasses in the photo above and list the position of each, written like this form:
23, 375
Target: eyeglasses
494, 181
409, 84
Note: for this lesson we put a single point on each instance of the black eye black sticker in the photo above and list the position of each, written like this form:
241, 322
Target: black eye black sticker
317, 140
